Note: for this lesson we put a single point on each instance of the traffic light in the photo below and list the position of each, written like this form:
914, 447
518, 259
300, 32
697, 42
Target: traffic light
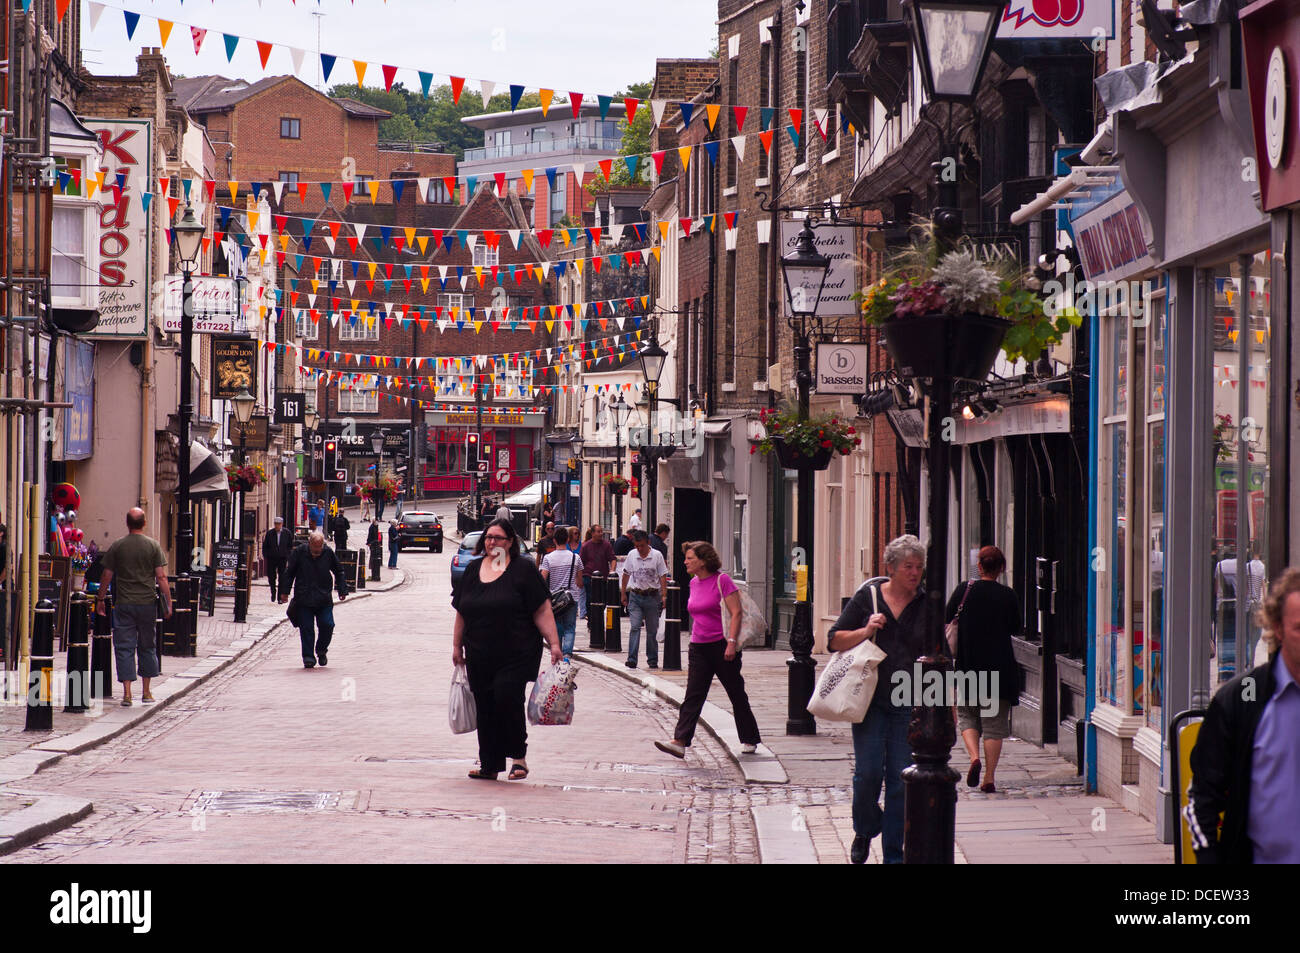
471, 451
331, 455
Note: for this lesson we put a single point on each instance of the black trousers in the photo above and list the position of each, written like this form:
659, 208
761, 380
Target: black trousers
499, 684
707, 659
273, 569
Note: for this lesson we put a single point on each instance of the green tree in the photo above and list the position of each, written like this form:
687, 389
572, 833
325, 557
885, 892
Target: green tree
635, 142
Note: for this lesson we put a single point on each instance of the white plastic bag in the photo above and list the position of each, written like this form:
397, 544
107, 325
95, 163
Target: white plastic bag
848, 682
551, 701
462, 713
753, 627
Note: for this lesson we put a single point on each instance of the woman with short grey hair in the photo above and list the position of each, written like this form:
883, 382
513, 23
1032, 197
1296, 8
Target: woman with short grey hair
893, 614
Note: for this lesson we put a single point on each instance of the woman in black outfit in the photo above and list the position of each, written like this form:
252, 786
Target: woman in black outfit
990, 616
503, 612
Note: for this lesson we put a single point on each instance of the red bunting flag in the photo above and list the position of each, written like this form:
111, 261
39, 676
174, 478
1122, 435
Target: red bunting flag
605, 165
659, 162
198, 36
575, 100
457, 84
264, 51
740, 112
631, 105
501, 182
389, 73
766, 139
302, 191
347, 190
796, 118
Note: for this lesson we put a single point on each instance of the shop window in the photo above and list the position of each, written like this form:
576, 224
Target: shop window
1240, 461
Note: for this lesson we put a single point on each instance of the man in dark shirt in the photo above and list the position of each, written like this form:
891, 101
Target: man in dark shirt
308, 573
277, 545
624, 544
340, 531
659, 541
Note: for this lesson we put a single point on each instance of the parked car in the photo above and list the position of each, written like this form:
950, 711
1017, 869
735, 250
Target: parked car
420, 528
466, 555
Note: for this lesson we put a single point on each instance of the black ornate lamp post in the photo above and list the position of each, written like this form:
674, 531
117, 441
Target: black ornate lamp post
652, 368
805, 272
952, 39
575, 514
377, 445
244, 402
620, 411
188, 239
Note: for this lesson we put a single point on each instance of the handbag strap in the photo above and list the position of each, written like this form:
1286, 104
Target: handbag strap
875, 606
569, 583
962, 604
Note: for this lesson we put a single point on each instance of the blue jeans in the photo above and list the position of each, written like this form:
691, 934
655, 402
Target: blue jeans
135, 634
312, 644
880, 753
643, 607
566, 626
392, 559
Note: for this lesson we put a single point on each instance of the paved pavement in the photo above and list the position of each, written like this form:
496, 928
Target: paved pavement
249, 756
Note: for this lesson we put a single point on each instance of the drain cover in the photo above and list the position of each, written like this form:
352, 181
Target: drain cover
231, 801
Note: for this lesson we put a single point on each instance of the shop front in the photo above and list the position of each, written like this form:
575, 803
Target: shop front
509, 442
1181, 403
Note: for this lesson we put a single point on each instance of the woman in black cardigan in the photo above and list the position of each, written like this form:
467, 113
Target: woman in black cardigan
985, 624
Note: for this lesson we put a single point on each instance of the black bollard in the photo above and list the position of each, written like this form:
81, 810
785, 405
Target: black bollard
40, 677
101, 653
376, 561
192, 600
361, 570
184, 616
78, 678
613, 614
671, 657
596, 613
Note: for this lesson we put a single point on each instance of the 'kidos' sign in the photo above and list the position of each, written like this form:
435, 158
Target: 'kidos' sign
123, 233
836, 243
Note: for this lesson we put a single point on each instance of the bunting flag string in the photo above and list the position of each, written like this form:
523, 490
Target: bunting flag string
424, 77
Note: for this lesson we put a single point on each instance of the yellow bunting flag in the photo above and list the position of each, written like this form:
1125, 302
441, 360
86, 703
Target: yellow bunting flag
527, 176
361, 72
546, 95
712, 110
164, 31
234, 190
684, 152
577, 264
373, 187
663, 229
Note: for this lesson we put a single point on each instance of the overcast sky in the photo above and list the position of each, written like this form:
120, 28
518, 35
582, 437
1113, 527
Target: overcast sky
590, 46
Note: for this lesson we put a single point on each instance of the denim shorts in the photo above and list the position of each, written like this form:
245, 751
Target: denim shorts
993, 727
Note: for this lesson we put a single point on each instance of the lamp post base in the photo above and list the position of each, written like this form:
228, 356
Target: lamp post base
930, 785
802, 674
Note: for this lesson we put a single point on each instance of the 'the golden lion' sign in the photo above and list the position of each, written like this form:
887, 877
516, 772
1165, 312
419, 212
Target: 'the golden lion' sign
234, 367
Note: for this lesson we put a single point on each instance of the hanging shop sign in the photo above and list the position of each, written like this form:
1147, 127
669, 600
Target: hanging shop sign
1270, 33
123, 234
470, 419
1114, 239
215, 301
79, 390
1057, 20
289, 406
234, 367
841, 368
836, 243
256, 433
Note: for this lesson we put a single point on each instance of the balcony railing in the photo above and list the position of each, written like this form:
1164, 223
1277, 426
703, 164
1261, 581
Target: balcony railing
564, 144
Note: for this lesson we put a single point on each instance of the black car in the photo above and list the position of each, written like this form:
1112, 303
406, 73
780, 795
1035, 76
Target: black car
419, 528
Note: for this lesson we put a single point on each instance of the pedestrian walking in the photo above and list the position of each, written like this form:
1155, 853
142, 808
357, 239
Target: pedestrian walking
574, 545
597, 556
635, 521
894, 616
488, 510
644, 589
308, 574
624, 545
988, 615
548, 512
503, 512
659, 540
316, 517
277, 545
394, 544
1246, 763
562, 570
712, 651
365, 508
503, 615
136, 562
381, 498
340, 531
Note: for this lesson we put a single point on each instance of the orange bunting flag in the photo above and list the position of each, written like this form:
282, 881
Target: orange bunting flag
457, 85
605, 166
712, 111
527, 176
264, 51
164, 31
685, 153
766, 139
546, 96
373, 188
361, 71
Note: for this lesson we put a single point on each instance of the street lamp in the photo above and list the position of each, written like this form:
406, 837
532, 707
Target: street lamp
652, 368
575, 446
377, 445
804, 271
952, 40
188, 239
244, 402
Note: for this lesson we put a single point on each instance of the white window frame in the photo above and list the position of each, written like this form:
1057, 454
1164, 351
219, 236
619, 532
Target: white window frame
450, 300
86, 296
485, 257
359, 331
358, 400
304, 328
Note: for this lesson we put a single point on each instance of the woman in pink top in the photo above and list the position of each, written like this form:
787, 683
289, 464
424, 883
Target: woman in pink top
712, 651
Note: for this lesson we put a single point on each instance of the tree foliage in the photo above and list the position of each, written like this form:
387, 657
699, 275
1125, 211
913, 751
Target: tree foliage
435, 118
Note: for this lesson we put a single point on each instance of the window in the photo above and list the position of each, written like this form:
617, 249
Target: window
485, 257
501, 139
607, 129
73, 275
541, 134
459, 301
304, 327
358, 400
558, 209
290, 128
289, 178
738, 539
512, 383
365, 329
437, 193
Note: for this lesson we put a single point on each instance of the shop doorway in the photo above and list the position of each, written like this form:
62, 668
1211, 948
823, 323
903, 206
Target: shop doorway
692, 520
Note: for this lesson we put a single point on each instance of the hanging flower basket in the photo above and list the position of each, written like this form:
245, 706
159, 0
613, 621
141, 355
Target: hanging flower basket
945, 345
792, 459
386, 489
245, 478
617, 484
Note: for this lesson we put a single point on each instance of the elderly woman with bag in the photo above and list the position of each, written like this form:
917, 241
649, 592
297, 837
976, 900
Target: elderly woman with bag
987, 615
503, 614
712, 652
892, 613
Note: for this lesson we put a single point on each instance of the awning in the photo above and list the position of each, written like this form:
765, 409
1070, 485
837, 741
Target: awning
716, 428
1078, 184
208, 480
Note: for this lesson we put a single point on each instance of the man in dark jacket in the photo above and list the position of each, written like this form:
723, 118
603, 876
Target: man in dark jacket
1246, 763
340, 530
277, 545
308, 573
394, 544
